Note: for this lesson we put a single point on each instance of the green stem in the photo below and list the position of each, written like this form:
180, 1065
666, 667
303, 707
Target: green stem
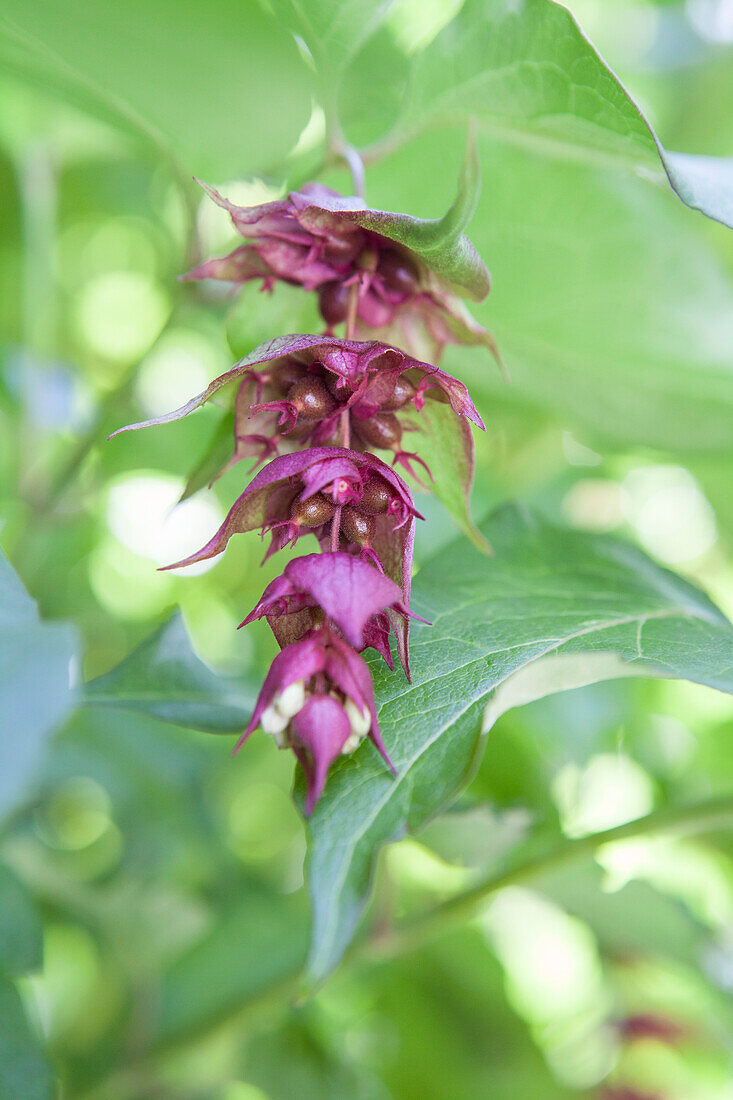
37, 190
423, 927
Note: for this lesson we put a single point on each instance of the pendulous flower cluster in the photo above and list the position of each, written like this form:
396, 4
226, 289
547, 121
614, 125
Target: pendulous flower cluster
311, 410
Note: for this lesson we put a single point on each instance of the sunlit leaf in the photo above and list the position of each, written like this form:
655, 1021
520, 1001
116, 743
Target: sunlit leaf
613, 314
196, 80
333, 30
528, 74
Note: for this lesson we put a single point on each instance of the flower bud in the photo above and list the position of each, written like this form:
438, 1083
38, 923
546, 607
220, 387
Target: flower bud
376, 498
403, 392
333, 302
383, 430
313, 512
339, 387
357, 527
311, 398
398, 273
285, 375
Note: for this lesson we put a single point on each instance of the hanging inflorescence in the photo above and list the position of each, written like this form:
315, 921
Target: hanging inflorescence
314, 408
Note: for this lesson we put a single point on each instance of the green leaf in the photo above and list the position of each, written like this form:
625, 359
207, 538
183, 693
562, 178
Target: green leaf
256, 317
613, 313
218, 452
333, 30
258, 943
635, 921
24, 1071
437, 1000
35, 686
527, 73
299, 1060
20, 929
222, 85
554, 609
445, 442
164, 678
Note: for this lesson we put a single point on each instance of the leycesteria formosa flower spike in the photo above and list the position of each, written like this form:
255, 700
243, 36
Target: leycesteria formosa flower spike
301, 391
318, 700
331, 243
315, 408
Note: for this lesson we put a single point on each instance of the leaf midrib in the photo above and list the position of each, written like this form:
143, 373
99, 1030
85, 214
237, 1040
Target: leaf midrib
339, 878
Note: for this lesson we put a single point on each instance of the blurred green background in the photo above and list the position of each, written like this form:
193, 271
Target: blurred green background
165, 877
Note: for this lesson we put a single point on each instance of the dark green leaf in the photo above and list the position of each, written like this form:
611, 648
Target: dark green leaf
298, 1060
164, 678
258, 944
35, 687
553, 609
20, 928
24, 1071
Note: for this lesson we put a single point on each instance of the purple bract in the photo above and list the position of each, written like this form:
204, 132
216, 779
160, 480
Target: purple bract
323, 241
298, 391
348, 500
362, 602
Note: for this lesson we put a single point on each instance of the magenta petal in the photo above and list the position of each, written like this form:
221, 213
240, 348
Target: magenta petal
454, 390
349, 672
326, 470
237, 267
278, 590
351, 675
322, 728
297, 662
348, 589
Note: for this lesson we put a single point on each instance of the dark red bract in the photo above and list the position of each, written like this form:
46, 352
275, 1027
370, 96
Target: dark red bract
324, 241
358, 599
311, 391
